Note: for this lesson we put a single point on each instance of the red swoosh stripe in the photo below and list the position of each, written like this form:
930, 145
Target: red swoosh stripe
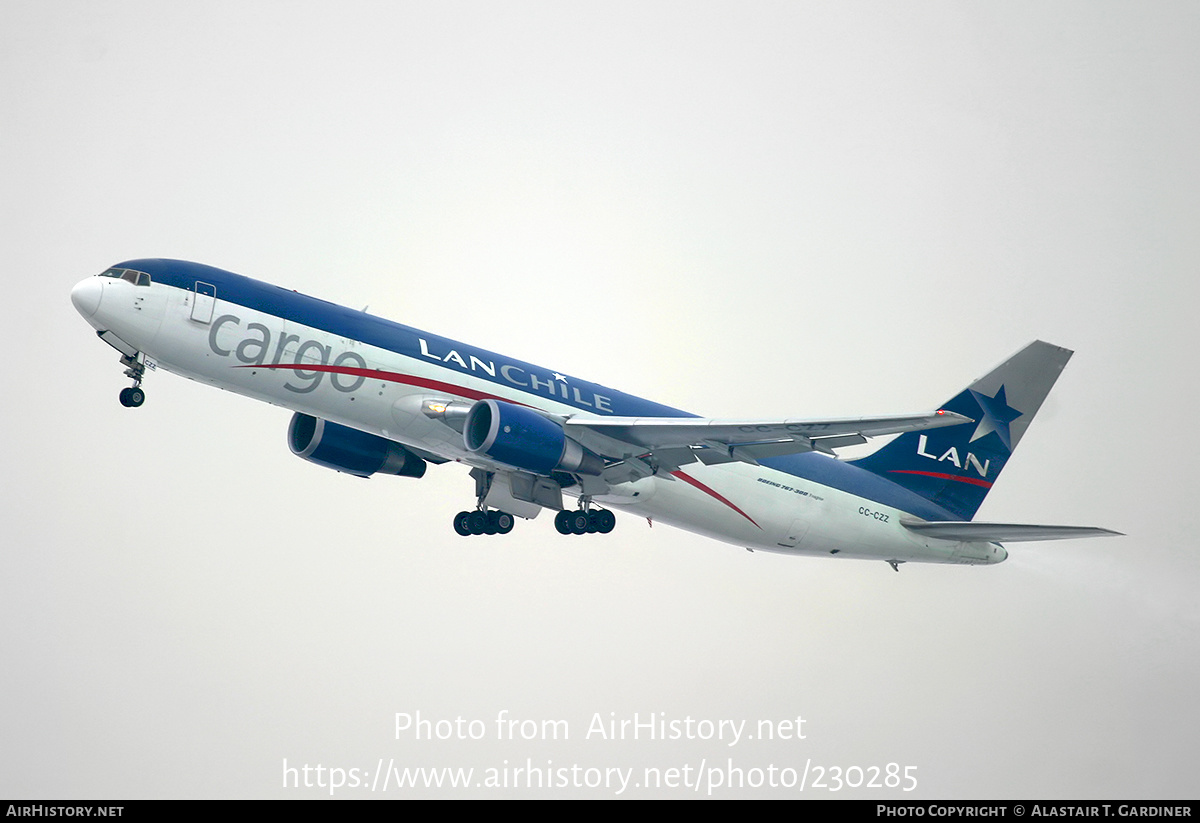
394, 377
693, 481
986, 484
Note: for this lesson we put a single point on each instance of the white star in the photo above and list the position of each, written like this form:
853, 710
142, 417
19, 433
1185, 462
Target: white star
558, 376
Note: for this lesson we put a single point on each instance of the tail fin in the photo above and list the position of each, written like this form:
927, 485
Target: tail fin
955, 467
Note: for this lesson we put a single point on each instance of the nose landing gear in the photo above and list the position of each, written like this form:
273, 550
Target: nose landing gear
133, 396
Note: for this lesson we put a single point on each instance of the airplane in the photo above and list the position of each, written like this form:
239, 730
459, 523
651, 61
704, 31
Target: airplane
370, 396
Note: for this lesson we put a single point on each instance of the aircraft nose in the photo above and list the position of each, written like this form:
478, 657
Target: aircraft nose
86, 296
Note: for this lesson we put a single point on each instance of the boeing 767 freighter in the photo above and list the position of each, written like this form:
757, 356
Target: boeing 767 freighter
370, 396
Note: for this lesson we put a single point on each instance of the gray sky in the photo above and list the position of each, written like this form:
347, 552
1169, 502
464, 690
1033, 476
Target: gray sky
737, 209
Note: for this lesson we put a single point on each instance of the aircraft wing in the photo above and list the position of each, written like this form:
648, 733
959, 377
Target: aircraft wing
974, 532
666, 443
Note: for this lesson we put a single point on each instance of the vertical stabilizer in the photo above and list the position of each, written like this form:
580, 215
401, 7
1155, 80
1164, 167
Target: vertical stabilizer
955, 467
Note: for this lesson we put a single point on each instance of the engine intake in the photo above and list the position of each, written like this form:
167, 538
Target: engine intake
521, 437
349, 450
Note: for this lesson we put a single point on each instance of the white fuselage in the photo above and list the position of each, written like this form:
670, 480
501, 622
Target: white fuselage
238, 348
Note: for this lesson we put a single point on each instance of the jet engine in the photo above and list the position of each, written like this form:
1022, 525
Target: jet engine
349, 450
521, 437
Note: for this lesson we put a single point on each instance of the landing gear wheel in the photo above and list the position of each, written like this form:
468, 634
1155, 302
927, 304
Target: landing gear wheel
136, 397
460, 524
578, 521
477, 522
593, 525
606, 520
500, 522
562, 522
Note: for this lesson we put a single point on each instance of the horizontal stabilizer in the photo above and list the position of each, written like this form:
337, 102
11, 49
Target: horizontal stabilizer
973, 532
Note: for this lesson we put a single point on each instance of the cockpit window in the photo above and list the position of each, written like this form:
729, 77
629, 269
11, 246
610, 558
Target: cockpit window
137, 278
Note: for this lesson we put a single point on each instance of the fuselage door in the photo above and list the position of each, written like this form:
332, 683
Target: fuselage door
204, 302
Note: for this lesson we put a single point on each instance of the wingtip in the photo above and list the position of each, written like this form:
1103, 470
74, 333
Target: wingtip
954, 417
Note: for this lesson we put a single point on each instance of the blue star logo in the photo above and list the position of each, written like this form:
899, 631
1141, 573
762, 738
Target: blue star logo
997, 414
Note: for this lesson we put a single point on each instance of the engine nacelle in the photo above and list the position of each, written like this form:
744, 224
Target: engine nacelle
519, 436
349, 450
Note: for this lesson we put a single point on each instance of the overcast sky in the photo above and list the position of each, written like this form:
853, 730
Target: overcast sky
751, 210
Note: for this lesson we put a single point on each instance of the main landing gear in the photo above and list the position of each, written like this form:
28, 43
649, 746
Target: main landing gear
585, 520
594, 521
483, 522
133, 396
